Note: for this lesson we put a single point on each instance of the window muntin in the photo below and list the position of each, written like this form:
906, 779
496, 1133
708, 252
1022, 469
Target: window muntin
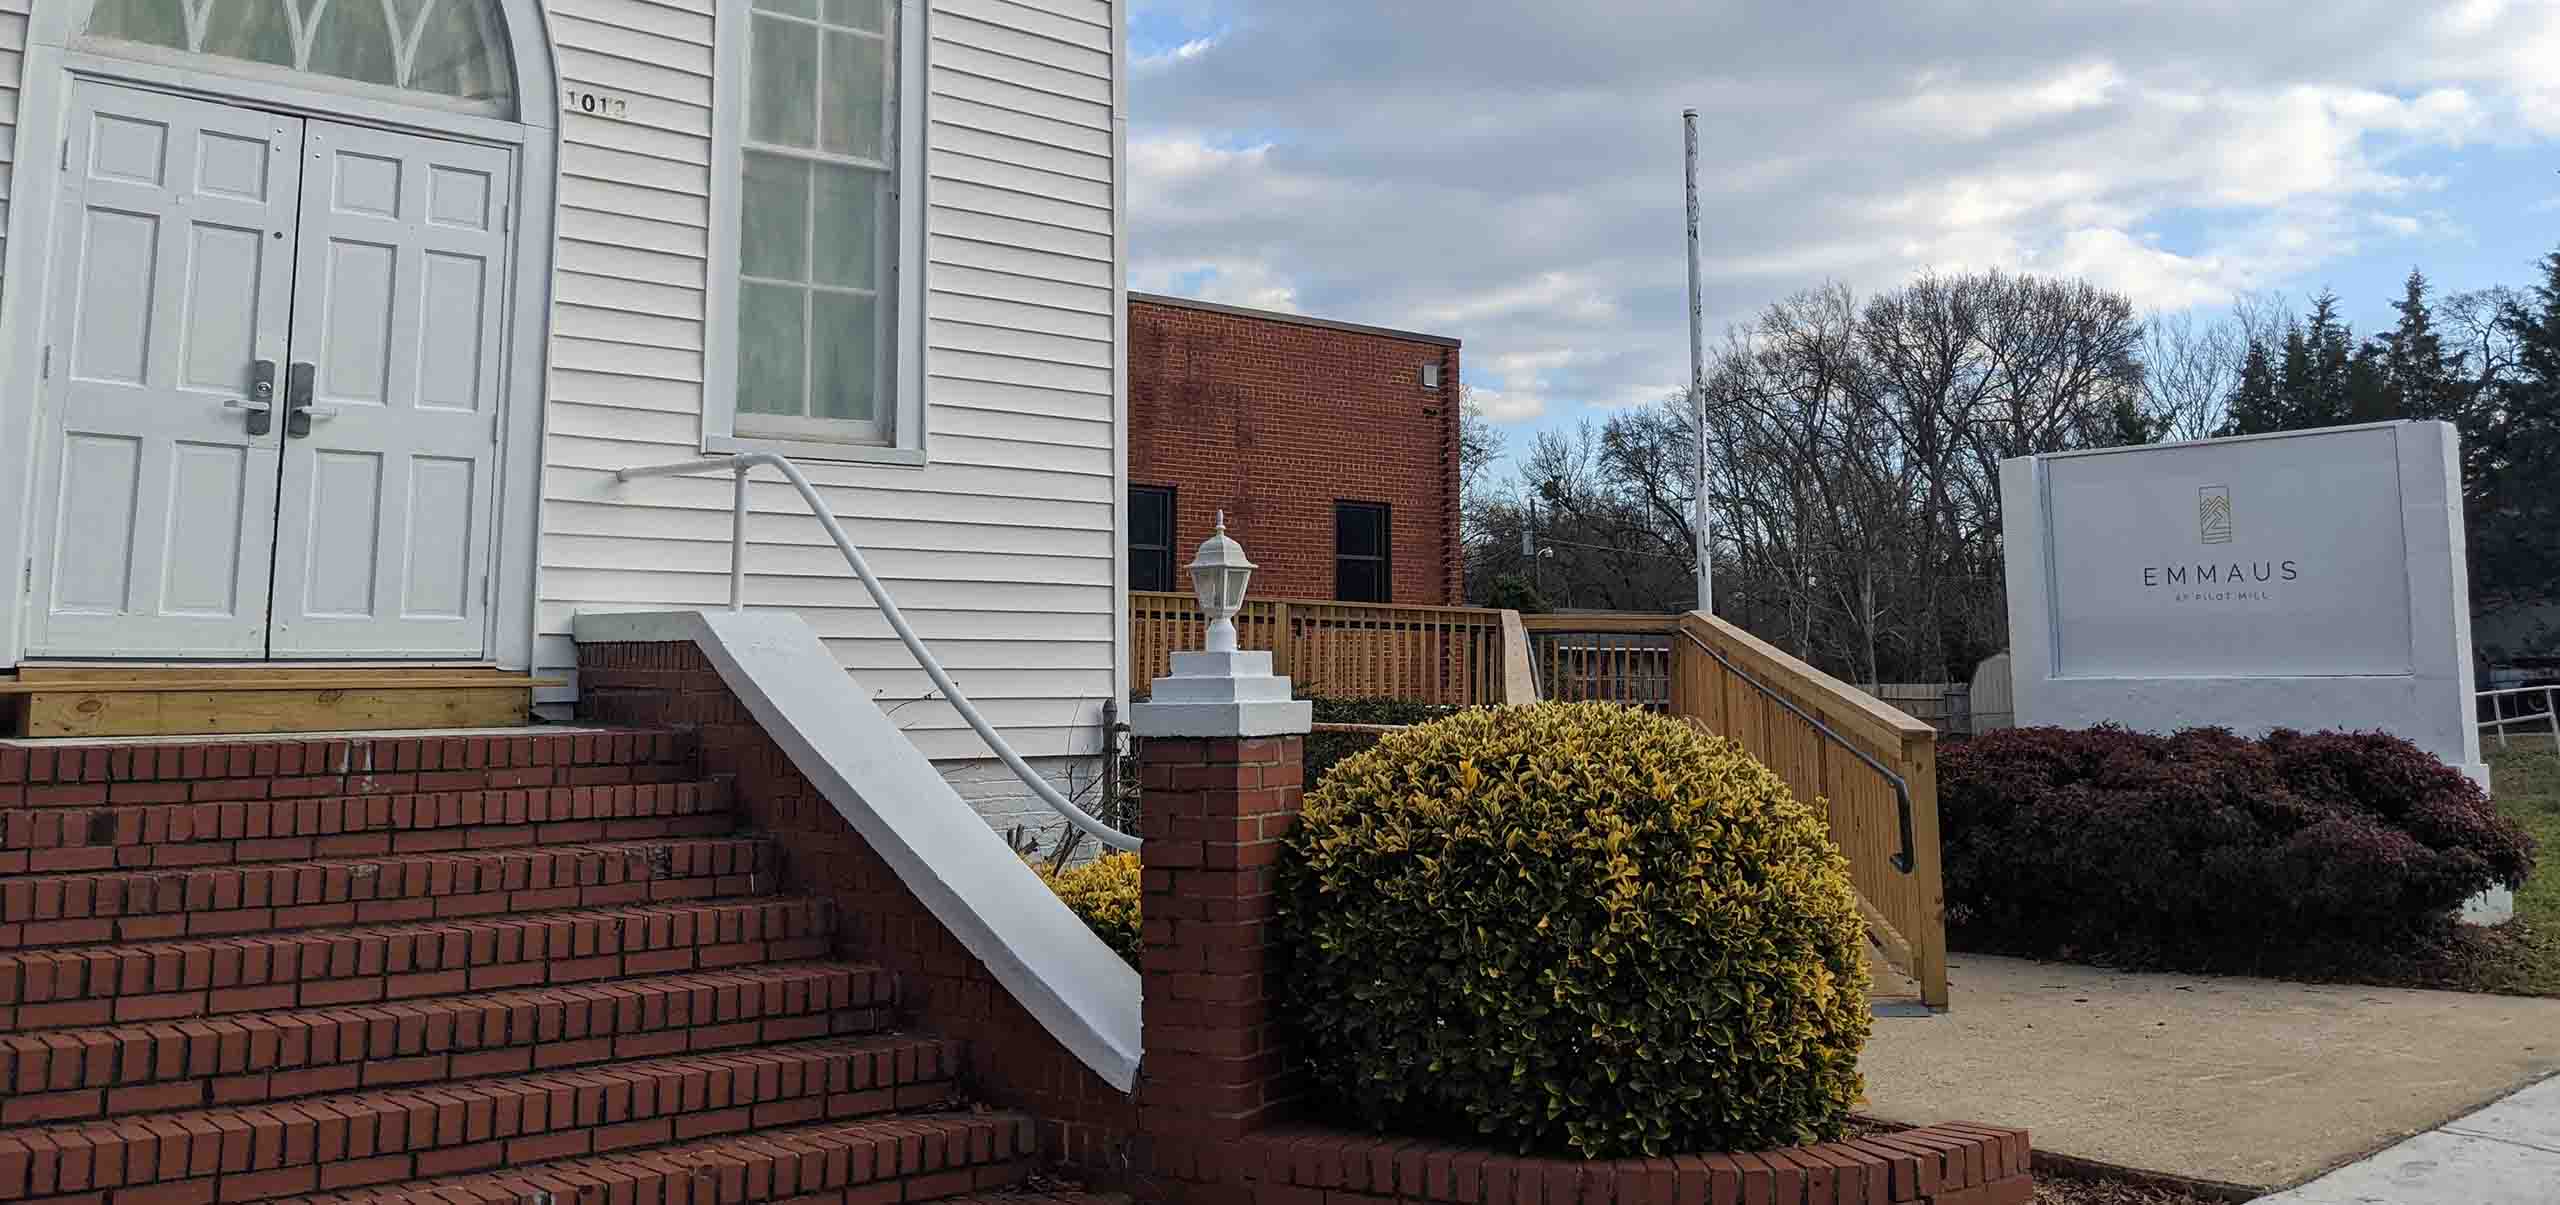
449, 48
817, 222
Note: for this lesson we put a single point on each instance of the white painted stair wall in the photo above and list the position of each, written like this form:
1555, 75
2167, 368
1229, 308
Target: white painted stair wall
965, 874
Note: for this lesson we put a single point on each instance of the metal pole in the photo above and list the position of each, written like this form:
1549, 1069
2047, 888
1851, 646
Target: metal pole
1698, 367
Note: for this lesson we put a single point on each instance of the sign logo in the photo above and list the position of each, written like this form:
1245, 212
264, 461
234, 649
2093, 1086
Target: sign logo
2213, 514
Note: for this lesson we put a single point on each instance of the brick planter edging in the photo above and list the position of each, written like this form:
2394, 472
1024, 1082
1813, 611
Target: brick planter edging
1951, 1164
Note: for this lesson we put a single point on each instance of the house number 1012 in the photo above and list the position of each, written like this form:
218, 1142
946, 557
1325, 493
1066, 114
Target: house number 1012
594, 104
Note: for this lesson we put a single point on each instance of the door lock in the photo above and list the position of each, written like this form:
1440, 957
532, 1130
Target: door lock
260, 403
299, 413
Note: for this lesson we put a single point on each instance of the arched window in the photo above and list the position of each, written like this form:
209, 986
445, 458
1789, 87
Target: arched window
452, 48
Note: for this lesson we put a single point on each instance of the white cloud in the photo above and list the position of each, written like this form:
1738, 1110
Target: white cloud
1943, 100
1178, 54
2155, 279
1507, 407
1227, 282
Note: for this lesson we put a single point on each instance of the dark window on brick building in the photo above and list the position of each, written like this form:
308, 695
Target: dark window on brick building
1150, 538
1360, 552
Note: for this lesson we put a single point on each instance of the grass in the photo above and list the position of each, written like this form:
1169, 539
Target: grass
2526, 783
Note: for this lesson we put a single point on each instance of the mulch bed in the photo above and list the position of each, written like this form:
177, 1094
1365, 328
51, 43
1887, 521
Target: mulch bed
2053, 1190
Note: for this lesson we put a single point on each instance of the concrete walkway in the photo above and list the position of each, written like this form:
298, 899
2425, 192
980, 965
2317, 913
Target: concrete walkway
2506, 1154
2242, 1081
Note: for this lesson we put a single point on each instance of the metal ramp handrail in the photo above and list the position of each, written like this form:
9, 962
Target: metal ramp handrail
739, 464
1907, 858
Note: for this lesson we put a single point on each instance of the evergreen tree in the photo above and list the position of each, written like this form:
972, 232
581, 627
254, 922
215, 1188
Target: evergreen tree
2514, 493
2370, 396
2297, 384
2423, 380
2255, 408
2326, 397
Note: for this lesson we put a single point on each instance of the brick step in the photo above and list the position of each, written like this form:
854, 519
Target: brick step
102, 985
143, 905
259, 1152
65, 1075
53, 773
172, 835
919, 1157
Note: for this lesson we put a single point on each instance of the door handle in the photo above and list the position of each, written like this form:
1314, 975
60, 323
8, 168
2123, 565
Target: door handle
261, 400
299, 413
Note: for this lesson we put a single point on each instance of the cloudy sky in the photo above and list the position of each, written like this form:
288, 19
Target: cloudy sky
1508, 171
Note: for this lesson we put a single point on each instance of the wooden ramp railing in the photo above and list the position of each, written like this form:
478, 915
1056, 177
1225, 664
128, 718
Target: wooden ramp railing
1465, 656
1609, 658
1876, 769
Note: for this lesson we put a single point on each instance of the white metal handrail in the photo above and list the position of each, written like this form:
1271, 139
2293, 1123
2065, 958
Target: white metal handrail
2548, 717
739, 465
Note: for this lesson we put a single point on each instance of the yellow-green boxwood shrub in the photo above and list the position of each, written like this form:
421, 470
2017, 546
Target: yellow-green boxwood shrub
1104, 892
1574, 929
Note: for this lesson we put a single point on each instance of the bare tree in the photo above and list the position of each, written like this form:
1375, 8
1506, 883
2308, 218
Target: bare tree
1853, 451
2189, 370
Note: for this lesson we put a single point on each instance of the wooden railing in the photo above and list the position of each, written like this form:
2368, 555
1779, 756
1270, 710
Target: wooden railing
1610, 658
1459, 655
1875, 768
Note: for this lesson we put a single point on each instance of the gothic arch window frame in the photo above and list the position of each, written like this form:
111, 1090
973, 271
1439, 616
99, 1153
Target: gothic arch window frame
58, 55
302, 35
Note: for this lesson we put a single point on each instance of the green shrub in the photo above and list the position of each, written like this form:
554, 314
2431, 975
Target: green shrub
1326, 749
1573, 929
1104, 892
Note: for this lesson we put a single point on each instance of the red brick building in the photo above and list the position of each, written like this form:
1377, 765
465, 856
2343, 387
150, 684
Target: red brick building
1332, 447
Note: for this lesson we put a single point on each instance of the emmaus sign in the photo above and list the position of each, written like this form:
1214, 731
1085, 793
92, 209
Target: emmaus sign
2229, 558
2307, 580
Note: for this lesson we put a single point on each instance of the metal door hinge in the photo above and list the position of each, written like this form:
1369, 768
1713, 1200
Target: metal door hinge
66, 152
45, 372
506, 218
493, 427
484, 589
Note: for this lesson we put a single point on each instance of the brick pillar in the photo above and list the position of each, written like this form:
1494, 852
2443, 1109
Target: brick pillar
1215, 812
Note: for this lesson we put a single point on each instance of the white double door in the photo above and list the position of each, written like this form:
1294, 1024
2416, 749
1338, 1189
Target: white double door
272, 387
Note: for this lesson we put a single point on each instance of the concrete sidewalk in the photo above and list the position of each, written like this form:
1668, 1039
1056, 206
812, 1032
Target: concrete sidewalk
2242, 1081
2506, 1154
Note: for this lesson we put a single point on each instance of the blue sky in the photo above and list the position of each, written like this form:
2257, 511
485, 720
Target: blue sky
1508, 171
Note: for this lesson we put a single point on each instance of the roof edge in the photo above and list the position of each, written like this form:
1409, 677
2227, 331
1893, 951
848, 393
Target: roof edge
1192, 303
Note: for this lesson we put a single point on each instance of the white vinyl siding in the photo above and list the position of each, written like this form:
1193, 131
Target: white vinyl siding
1001, 547
13, 57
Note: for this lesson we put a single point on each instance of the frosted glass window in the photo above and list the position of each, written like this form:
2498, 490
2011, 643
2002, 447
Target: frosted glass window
453, 48
815, 220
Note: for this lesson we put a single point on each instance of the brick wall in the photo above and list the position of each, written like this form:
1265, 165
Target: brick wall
1012, 1060
1274, 418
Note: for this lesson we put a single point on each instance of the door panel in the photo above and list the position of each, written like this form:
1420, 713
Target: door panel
155, 503
382, 531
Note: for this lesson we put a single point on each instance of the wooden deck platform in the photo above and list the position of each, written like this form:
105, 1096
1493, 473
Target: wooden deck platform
200, 700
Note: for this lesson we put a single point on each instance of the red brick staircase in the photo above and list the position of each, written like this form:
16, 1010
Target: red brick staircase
537, 967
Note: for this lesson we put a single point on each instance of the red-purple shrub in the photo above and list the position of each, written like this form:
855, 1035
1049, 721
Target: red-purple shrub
2205, 851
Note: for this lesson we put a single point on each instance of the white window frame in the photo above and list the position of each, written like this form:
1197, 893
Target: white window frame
905, 292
